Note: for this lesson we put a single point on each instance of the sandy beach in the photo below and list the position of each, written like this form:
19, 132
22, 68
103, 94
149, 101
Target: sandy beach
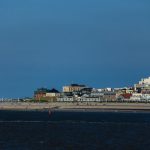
74, 106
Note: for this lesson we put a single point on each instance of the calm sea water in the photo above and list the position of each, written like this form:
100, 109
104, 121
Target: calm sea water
74, 130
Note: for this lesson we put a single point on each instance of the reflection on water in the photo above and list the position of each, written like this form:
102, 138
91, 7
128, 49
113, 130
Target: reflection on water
21, 130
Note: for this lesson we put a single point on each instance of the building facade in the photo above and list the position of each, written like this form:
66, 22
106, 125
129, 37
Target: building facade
73, 88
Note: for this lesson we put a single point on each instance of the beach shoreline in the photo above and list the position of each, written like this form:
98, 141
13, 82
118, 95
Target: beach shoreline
57, 106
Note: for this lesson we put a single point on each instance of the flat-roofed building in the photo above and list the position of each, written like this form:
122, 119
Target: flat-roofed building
136, 96
89, 99
73, 88
65, 99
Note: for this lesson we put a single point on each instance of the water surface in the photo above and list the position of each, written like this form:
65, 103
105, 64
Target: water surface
74, 130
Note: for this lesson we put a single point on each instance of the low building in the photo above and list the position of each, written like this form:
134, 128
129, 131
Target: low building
125, 90
125, 96
97, 94
62, 94
86, 90
109, 96
40, 93
89, 99
105, 89
46, 94
145, 97
52, 93
65, 99
136, 97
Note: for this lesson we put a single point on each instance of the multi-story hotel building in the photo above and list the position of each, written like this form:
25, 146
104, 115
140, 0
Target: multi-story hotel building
145, 81
73, 88
143, 85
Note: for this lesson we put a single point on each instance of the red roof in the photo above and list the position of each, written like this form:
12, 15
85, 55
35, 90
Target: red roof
126, 95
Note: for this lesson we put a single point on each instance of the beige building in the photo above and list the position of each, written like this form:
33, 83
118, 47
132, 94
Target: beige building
144, 84
73, 88
52, 94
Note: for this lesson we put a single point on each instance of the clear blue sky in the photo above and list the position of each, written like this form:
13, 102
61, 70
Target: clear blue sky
50, 43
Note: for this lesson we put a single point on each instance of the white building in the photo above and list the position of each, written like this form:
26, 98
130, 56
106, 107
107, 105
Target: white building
105, 89
136, 96
65, 99
143, 84
84, 98
145, 81
146, 96
89, 99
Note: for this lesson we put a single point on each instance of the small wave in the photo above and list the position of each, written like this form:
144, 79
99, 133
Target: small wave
76, 122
